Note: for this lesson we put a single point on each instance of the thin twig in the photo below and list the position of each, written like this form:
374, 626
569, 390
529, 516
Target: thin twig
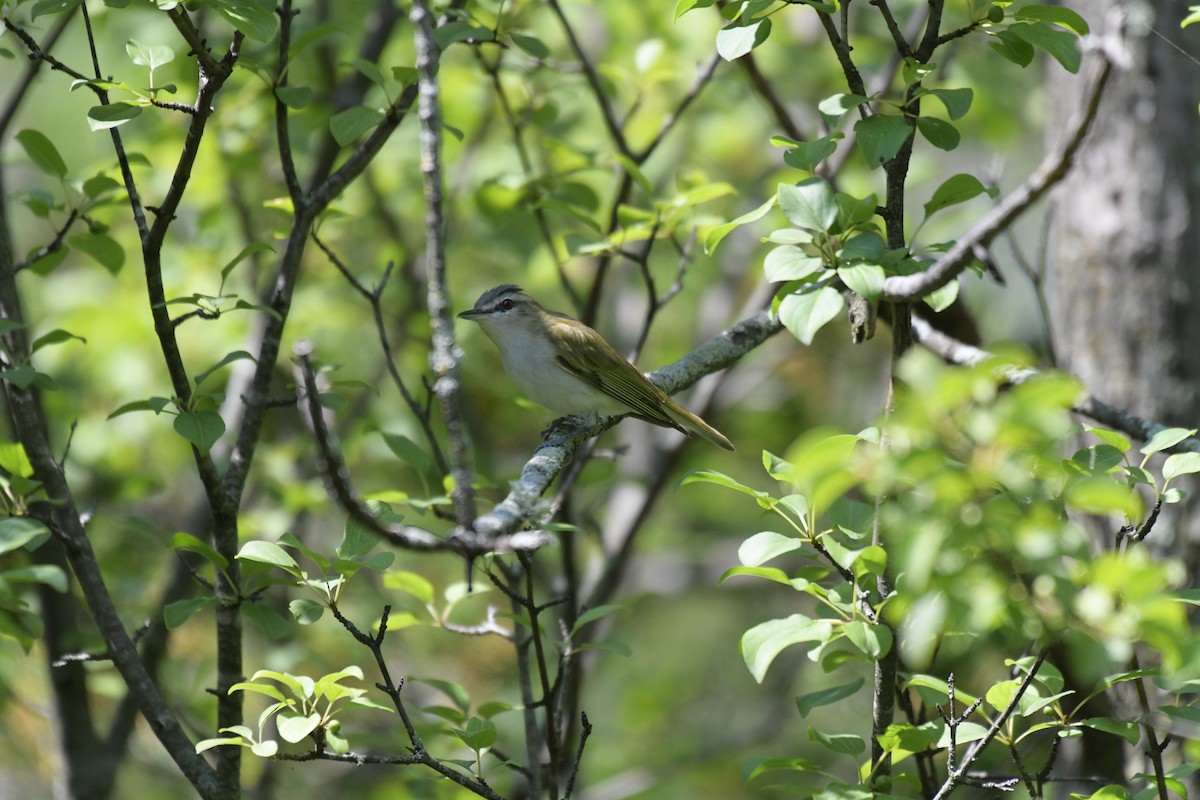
1052, 170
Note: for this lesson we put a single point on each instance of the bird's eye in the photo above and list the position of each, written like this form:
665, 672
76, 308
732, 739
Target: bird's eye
506, 305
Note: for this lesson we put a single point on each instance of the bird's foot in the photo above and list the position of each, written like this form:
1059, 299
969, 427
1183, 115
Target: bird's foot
564, 428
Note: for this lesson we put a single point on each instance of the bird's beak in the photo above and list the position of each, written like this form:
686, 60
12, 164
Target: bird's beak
470, 313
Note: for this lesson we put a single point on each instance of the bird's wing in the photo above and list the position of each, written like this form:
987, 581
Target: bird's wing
588, 357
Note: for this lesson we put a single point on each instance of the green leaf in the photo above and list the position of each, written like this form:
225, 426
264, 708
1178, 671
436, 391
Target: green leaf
1061, 45
111, 115
357, 540
13, 459
938, 132
954, 190
480, 734
201, 428
56, 336
1056, 15
254, 18
410, 583
152, 56
684, 6
766, 573
189, 543
844, 743
765, 546
807, 155
294, 96
809, 204
1166, 439
16, 532
531, 45
1104, 496
47, 574
873, 640
409, 452
1181, 464
788, 263
806, 312
721, 479
735, 41
456, 693
237, 355
406, 75
719, 232
1113, 438
353, 122
956, 101
853, 211
1127, 730
177, 613
52, 7
268, 620
807, 702
308, 611
762, 643
269, 553
460, 31
835, 107
42, 152
1012, 47
295, 728
594, 614
102, 248
880, 137
943, 298
864, 279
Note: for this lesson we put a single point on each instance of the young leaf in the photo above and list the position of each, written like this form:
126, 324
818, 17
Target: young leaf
809, 204
716, 234
863, 279
42, 152
177, 613
189, 543
1166, 439
294, 96
111, 115
102, 248
152, 56
735, 41
956, 101
880, 137
254, 18
409, 452
788, 263
1056, 15
353, 122
1181, 464
806, 312
16, 532
1063, 46
762, 643
954, 190
938, 132
56, 336
269, 553
807, 702
762, 547
201, 428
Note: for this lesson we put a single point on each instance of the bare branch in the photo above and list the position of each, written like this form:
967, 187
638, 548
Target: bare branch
1052, 170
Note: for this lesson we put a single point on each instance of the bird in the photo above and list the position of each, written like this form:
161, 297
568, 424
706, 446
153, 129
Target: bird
566, 366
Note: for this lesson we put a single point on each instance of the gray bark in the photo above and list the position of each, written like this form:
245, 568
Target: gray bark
1123, 280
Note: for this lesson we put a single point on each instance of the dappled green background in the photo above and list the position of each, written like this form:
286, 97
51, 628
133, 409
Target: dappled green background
680, 716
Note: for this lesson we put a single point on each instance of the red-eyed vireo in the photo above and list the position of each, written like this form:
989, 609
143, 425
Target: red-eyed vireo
567, 367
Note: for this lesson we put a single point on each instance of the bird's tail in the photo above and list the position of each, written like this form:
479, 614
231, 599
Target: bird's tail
691, 424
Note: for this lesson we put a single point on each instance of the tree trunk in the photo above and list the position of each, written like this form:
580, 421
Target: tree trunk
1123, 280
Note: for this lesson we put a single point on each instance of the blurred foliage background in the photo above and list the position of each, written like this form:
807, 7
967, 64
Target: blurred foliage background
679, 716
